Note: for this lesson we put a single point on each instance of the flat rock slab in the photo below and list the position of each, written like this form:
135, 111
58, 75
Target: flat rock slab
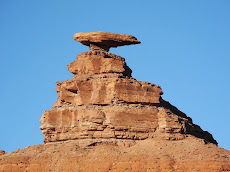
104, 40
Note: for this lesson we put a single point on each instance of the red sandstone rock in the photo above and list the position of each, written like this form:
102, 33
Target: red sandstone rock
102, 101
98, 62
2, 152
105, 120
132, 122
105, 90
95, 122
104, 40
189, 154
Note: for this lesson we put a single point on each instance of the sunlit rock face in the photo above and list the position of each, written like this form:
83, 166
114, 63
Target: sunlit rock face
105, 120
104, 101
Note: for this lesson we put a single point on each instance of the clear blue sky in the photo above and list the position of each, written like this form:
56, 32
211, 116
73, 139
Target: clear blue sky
185, 49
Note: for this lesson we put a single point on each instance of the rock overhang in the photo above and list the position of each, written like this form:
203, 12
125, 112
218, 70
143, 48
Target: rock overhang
104, 40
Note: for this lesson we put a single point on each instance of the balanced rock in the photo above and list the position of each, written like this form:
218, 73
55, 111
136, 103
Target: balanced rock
104, 40
106, 120
103, 101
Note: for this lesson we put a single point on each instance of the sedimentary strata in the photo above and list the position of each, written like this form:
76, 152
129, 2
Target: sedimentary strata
106, 120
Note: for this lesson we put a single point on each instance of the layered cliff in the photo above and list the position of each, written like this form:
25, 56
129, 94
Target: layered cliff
104, 119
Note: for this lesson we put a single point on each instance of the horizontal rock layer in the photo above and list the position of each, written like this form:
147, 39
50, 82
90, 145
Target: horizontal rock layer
106, 89
97, 62
104, 40
83, 122
132, 122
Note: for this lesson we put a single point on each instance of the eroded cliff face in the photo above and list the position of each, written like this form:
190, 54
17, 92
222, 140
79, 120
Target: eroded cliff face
106, 120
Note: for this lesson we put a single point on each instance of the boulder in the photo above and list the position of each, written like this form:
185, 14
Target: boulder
104, 40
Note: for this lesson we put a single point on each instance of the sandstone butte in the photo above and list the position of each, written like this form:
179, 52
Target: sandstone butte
106, 120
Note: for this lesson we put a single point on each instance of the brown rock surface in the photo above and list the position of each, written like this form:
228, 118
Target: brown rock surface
118, 121
190, 154
105, 120
98, 62
2, 152
105, 90
103, 101
104, 40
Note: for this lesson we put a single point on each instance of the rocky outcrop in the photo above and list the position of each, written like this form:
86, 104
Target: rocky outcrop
106, 90
105, 120
103, 101
99, 62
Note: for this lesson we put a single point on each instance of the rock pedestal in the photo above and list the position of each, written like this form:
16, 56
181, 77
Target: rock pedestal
103, 101
105, 120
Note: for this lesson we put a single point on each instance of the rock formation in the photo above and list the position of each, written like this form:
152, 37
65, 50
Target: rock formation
104, 119
104, 40
103, 101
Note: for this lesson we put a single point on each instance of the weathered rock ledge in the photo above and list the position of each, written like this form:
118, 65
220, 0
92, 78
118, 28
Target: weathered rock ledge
97, 62
118, 121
